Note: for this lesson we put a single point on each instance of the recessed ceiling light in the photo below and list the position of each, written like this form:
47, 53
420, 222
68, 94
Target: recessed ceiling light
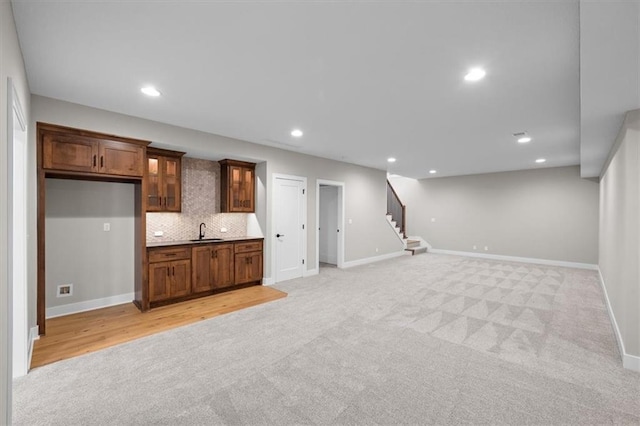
150, 91
391, 160
296, 133
524, 139
433, 171
541, 160
475, 74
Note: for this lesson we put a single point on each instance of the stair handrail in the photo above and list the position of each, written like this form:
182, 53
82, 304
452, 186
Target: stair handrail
396, 209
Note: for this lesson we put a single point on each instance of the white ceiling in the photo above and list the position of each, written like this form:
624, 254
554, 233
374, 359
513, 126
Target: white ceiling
363, 80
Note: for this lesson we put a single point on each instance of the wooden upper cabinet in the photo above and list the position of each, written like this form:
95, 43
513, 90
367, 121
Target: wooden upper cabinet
237, 189
164, 180
74, 150
69, 153
120, 158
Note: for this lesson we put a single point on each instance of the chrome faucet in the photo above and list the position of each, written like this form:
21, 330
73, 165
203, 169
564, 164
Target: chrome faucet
201, 236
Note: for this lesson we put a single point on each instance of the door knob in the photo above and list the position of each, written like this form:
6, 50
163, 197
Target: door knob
279, 235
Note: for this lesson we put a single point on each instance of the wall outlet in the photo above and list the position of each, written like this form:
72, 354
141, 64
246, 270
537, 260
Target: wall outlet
350, 221
223, 229
158, 233
433, 219
64, 290
486, 248
106, 227
377, 249
475, 247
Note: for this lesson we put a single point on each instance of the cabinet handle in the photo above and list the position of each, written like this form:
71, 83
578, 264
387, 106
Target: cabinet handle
95, 160
174, 271
165, 201
168, 274
101, 161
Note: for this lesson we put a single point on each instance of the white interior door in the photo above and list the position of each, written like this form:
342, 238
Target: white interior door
289, 211
328, 224
18, 238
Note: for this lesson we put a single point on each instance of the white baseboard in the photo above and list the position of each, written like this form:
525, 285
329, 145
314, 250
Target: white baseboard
366, 260
34, 334
88, 305
310, 273
562, 263
630, 362
268, 281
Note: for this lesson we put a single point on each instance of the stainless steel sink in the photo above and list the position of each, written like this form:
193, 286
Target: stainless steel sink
205, 240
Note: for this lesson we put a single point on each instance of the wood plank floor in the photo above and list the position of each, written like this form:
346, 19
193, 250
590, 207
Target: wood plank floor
85, 332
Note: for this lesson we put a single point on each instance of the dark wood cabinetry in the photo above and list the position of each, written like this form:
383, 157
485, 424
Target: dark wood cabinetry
169, 273
248, 262
76, 153
164, 180
193, 270
212, 267
237, 186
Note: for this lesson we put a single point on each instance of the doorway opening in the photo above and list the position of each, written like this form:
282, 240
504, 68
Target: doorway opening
330, 230
289, 236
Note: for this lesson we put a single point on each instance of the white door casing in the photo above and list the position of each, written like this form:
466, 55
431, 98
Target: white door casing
17, 143
340, 231
328, 225
289, 229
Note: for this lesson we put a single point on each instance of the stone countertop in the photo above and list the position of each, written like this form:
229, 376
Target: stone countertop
188, 242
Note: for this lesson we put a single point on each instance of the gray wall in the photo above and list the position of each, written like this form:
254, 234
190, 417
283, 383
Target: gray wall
78, 251
546, 213
620, 233
11, 65
365, 189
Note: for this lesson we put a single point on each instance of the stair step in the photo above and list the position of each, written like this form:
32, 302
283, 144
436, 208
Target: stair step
413, 243
416, 250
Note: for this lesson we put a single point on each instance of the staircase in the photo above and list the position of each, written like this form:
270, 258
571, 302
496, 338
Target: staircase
396, 216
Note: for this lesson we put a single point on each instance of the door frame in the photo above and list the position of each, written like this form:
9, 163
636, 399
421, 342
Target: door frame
18, 291
272, 237
341, 215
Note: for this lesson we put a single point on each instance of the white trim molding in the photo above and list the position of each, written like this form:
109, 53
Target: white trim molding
268, 281
339, 262
33, 336
562, 263
366, 260
309, 273
630, 362
89, 305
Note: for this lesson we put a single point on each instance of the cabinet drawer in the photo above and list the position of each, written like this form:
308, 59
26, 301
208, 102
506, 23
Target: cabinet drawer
169, 254
248, 246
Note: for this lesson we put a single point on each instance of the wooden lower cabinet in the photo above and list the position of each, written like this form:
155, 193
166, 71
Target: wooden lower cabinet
248, 262
187, 271
212, 267
169, 279
248, 267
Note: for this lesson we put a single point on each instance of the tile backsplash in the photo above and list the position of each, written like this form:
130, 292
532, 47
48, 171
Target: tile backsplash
200, 203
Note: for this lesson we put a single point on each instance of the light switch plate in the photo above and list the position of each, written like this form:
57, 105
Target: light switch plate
106, 227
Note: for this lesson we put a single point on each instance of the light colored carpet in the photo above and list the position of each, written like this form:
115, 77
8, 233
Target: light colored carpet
427, 339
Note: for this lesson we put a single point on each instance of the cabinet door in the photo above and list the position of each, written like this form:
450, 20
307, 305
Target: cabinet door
201, 268
247, 189
248, 267
180, 278
171, 184
222, 269
69, 153
255, 266
159, 281
235, 188
154, 194
120, 158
